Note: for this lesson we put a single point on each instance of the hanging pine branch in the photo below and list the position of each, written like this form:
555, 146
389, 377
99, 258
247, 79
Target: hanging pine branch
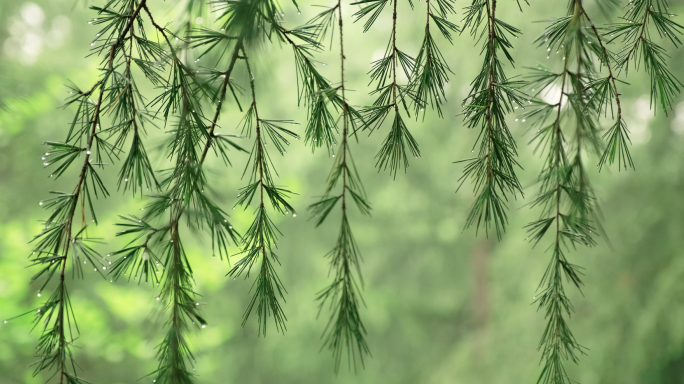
567, 131
607, 97
53, 245
160, 246
321, 97
261, 237
431, 69
127, 104
345, 330
390, 95
491, 97
640, 49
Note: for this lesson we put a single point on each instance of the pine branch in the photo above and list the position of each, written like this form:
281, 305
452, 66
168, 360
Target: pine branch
127, 106
566, 197
54, 243
641, 50
345, 330
491, 97
312, 87
260, 239
390, 95
431, 70
605, 90
184, 193
557, 343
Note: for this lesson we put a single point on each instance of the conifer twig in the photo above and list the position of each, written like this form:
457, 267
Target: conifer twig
184, 193
345, 330
491, 97
261, 237
565, 196
56, 240
399, 142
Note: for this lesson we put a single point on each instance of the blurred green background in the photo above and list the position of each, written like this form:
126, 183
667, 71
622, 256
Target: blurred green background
443, 305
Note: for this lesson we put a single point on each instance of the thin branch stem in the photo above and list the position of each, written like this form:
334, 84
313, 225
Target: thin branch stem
66, 234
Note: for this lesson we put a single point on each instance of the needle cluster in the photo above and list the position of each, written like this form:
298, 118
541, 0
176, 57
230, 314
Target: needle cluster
113, 98
492, 96
344, 331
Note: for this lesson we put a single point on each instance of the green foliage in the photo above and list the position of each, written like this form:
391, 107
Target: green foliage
344, 332
491, 97
426, 74
261, 237
567, 130
112, 118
